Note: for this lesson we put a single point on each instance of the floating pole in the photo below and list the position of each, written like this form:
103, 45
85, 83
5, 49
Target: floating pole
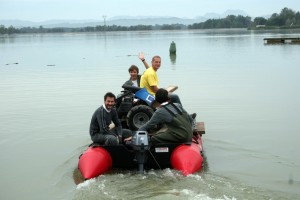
172, 48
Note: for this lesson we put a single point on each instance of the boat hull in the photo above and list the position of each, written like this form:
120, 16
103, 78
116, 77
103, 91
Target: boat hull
186, 158
94, 162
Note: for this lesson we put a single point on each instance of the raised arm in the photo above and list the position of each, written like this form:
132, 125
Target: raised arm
142, 57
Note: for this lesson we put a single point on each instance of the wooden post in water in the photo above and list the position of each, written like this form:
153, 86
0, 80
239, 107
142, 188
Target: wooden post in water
172, 48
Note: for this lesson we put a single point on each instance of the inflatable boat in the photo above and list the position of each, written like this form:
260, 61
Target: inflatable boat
140, 155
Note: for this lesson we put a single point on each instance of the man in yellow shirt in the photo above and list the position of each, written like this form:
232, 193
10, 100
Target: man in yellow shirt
149, 79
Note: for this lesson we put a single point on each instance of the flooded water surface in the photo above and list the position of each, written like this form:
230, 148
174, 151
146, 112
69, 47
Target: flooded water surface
246, 93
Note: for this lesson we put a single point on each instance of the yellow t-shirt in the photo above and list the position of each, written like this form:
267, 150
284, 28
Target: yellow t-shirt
148, 79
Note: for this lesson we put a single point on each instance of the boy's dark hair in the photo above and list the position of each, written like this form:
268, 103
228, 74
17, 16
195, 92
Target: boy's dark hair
109, 94
133, 67
161, 95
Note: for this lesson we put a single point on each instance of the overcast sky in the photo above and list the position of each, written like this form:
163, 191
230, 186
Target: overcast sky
40, 10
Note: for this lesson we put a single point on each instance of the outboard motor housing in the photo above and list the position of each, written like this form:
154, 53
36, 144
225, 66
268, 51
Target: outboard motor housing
140, 144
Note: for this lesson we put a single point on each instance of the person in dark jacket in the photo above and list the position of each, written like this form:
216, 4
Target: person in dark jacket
102, 118
177, 121
134, 76
134, 73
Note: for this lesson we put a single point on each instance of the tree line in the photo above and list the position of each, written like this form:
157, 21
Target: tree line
287, 18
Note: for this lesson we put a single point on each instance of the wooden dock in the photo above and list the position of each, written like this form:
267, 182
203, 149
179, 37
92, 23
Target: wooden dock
200, 128
282, 40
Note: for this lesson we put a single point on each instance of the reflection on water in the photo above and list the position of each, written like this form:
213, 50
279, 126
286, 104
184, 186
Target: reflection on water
173, 58
77, 176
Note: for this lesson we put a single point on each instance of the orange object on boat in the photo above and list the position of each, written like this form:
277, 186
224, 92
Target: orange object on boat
94, 162
187, 159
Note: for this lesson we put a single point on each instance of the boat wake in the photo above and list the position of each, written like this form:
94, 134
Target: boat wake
86, 183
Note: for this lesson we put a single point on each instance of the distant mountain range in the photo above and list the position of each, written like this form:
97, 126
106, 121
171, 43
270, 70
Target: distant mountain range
120, 21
